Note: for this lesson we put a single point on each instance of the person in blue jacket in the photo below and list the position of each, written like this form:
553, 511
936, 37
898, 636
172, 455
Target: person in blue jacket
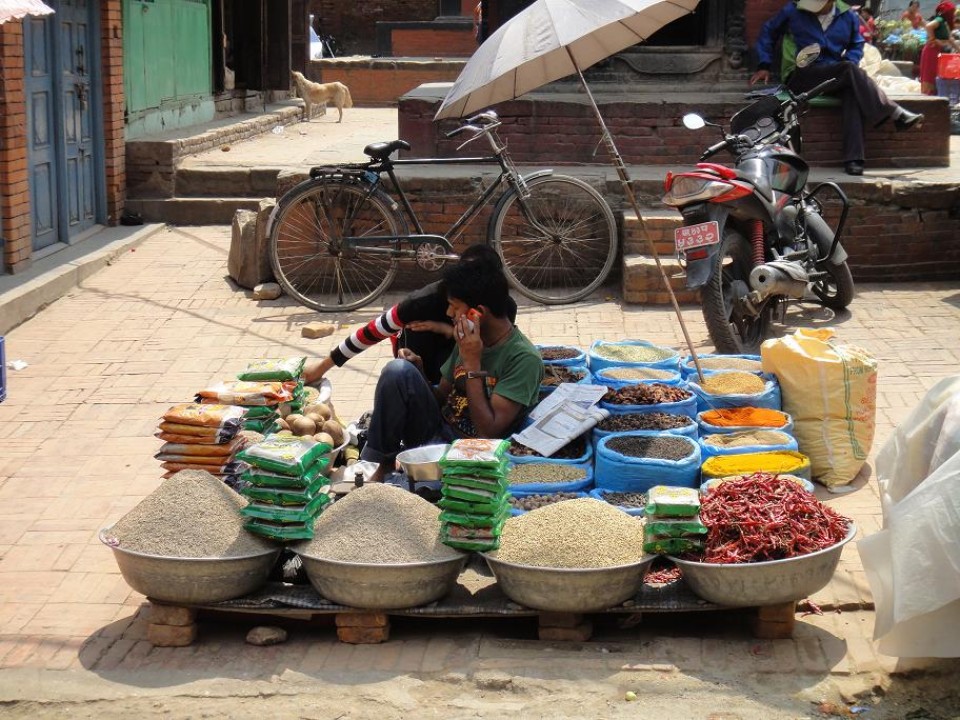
833, 26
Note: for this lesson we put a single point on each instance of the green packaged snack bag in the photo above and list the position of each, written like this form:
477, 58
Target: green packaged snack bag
657, 528
286, 495
280, 531
472, 494
286, 513
261, 412
463, 532
671, 501
464, 544
475, 521
477, 471
474, 508
672, 546
278, 370
265, 478
475, 452
491, 484
284, 454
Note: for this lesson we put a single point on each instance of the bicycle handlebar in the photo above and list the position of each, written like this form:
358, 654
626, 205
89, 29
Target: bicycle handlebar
478, 123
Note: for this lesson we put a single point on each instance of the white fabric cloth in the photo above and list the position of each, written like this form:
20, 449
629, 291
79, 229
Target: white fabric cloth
16, 9
913, 564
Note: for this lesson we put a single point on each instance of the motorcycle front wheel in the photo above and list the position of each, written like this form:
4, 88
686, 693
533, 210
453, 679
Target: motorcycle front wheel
733, 329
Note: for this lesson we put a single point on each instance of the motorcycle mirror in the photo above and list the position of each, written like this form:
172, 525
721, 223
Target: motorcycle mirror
808, 55
692, 121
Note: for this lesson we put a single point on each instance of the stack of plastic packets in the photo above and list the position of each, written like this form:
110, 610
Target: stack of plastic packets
673, 524
474, 498
260, 398
200, 437
289, 372
286, 486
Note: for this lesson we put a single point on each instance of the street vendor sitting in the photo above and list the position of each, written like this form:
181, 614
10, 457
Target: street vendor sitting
488, 383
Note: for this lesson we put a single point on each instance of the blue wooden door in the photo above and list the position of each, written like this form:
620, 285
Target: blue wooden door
64, 154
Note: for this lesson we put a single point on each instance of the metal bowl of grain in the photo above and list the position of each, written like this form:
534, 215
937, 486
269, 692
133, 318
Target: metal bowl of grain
764, 583
382, 586
191, 581
422, 463
571, 590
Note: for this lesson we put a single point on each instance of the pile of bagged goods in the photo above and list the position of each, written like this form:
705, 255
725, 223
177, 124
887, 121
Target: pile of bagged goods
709, 467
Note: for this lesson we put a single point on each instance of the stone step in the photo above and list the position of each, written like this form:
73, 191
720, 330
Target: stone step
223, 183
192, 211
659, 224
643, 284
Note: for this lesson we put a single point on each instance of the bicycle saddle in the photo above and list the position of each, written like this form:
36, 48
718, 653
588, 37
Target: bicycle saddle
383, 150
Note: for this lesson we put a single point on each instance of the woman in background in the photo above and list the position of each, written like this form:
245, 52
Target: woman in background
913, 15
939, 40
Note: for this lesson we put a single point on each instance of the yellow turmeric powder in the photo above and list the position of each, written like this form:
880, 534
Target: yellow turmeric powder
745, 417
781, 461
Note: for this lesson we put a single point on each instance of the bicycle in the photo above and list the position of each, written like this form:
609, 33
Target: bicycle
336, 239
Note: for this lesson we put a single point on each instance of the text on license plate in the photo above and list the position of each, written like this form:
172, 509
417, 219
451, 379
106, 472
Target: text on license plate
694, 236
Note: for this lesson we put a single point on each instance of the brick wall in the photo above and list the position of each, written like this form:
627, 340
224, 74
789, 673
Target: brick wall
354, 23
428, 43
380, 82
111, 59
14, 175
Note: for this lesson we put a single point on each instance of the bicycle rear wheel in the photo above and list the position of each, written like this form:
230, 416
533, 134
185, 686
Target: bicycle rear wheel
306, 249
573, 253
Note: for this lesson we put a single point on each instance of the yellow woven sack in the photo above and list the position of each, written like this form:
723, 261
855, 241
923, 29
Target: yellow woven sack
830, 390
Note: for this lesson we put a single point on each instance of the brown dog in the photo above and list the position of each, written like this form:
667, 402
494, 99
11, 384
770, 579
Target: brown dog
320, 94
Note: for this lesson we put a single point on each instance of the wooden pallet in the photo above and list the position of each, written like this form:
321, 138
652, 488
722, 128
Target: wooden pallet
476, 595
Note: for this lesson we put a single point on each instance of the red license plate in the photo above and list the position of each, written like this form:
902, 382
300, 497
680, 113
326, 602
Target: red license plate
694, 236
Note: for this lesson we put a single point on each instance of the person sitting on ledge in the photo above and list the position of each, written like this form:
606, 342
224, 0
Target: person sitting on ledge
833, 26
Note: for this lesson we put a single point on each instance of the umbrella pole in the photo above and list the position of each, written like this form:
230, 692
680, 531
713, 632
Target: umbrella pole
628, 191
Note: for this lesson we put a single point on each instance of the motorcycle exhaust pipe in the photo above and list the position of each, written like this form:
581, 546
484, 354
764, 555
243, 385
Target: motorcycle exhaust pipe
779, 278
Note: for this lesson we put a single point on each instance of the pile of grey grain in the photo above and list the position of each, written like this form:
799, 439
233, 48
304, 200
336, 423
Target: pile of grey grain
191, 515
379, 524
583, 533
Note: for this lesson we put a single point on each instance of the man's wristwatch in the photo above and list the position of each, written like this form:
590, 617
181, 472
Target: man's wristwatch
471, 374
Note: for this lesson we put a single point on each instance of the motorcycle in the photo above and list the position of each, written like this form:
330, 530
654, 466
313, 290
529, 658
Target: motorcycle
753, 236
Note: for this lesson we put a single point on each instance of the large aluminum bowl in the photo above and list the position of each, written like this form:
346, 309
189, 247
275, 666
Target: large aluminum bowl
570, 590
192, 581
764, 583
376, 586
422, 463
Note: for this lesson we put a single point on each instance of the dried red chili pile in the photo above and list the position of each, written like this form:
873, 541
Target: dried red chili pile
765, 517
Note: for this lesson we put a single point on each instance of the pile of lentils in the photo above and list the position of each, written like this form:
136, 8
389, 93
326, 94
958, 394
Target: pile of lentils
574, 449
633, 353
746, 438
643, 421
559, 353
723, 362
626, 499
556, 374
380, 524
664, 447
535, 472
532, 502
637, 373
582, 533
651, 394
191, 515
733, 383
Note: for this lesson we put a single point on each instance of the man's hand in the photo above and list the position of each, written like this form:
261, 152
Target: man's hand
468, 342
440, 328
411, 357
760, 76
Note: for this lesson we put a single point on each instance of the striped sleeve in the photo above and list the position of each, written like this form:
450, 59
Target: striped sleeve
367, 336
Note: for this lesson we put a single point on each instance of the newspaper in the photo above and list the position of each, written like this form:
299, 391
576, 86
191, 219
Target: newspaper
567, 413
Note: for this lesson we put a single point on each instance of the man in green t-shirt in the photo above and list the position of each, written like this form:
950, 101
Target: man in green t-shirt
489, 382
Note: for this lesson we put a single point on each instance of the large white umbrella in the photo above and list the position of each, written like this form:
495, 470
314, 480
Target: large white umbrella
552, 39
16, 9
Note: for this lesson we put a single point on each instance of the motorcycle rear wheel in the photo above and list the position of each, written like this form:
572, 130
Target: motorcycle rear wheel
731, 329
835, 291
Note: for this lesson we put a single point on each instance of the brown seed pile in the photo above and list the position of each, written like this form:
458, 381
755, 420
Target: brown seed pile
665, 447
650, 394
643, 421
378, 523
571, 451
191, 515
559, 353
637, 373
724, 362
632, 353
626, 499
556, 374
733, 383
544, 473
532, 502
582, 533
747, 437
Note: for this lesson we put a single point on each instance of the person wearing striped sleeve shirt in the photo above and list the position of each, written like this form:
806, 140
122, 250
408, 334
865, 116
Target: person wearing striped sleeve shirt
417, 325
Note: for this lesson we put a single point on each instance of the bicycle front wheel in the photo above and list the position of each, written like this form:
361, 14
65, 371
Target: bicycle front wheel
559, 243
311, 261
